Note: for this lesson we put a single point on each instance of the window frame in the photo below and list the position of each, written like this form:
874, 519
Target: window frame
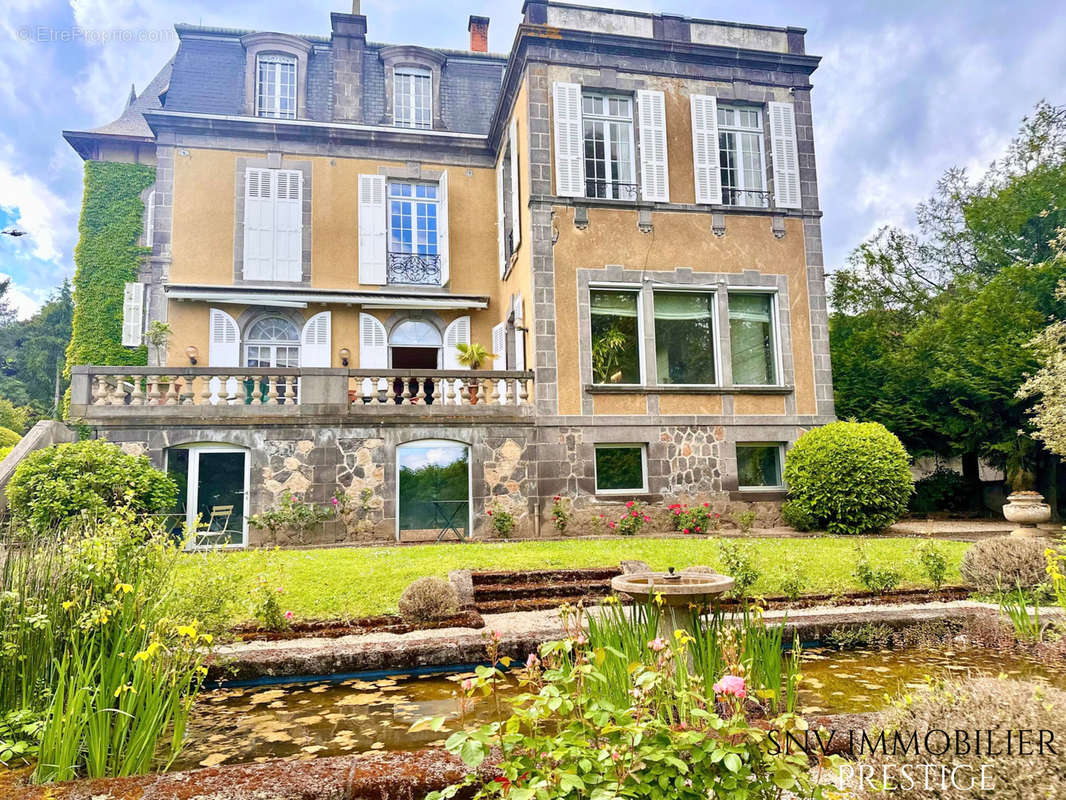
641, 347
642, 446
775, 328
414, 201
414, 72
607, 119
192, 478
715, 327
276, 59
737, 130
780, 487
272, 345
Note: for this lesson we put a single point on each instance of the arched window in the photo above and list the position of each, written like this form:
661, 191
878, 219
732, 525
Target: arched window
272, 342
415, 333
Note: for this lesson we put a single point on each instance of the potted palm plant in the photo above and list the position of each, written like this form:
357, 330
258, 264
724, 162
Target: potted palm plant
471, 356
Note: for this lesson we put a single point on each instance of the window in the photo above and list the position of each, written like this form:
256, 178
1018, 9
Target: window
759, 466
413, 98
620, 468
740, 144
272, 342
433, 488
684, 337
413, 256
276, 86
608, 137
615, 323
751, 334
212, 485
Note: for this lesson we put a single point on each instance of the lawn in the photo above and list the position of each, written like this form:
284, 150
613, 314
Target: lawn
356, 582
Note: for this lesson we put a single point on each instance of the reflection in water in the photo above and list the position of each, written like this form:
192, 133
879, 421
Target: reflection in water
311, 719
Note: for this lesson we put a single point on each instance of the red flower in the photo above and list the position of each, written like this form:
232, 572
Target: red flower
685, 530
490, 512
630, 504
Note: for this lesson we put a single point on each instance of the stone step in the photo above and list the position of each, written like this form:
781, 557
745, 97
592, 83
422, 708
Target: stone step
503, 591
542, 576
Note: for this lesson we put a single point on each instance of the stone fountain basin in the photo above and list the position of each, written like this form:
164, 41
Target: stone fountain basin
679, 589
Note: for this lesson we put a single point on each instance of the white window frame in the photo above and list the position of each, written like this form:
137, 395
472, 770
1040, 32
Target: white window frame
775, 327
639, 292
246, 343
619, 446
469, 479
667, 288
410, 102
741, 188
607, 119
435, 202
276, 60
780, 487
192, 490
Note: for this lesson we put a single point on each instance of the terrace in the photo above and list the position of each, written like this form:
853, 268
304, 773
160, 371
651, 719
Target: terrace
116, 393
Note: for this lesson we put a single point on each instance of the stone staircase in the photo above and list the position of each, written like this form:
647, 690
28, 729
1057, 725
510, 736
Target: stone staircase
498, 591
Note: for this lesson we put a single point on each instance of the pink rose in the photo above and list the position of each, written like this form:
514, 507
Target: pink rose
289, 615
685, 530
532, 661
647, 518
468, 684
657, 645
610, 524
731, 685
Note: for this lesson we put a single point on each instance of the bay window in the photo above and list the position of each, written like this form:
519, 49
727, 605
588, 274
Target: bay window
607, 123
615, 323
751, 335
684, 337
740, 146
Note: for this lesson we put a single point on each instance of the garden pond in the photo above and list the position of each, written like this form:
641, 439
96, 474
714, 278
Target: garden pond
333, 716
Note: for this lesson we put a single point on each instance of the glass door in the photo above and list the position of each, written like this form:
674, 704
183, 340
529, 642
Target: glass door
214, 488
433, 490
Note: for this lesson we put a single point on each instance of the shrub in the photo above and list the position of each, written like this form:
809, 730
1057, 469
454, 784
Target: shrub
986, 704
427, 599
695, 520
875, 579
849, 477
941, 490
1005, 562
634, 518
744, 520
934, 563
561, 508
794, 581
738, 562
502, 520
266, 606
796, 516
8, 438
56, 484
5, 451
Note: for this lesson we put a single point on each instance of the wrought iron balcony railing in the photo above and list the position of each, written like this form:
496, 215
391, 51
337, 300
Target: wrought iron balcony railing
745, 197
413, 269
612, 190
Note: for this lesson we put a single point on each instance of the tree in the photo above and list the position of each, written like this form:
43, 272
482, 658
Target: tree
929, 330
1047, 386
33, 355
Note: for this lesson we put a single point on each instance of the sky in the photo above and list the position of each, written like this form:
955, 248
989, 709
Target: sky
904, 91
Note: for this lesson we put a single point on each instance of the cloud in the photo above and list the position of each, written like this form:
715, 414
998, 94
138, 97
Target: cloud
33, 207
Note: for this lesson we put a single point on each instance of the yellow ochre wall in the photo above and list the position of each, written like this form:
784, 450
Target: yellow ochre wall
680, 239
205, 186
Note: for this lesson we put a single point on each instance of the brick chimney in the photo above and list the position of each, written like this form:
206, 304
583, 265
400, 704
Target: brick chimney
479, 34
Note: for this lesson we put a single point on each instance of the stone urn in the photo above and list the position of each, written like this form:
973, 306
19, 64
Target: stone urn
1027, 510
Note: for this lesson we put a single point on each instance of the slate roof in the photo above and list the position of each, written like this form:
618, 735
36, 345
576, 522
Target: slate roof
131, 122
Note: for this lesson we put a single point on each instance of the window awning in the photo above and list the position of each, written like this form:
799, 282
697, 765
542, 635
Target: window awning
303, 297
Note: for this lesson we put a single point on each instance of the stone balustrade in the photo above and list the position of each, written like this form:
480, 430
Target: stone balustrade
102, 391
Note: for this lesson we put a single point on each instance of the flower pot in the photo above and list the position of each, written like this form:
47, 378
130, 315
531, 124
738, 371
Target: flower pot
472, 391
1027, 510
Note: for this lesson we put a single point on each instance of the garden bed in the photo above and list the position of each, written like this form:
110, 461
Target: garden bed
332, 629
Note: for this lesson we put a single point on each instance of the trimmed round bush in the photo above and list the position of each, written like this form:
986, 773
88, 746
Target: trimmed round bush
8, 438
1005, 562
848, 477
428, 599
984, 704
57, 484
797, 517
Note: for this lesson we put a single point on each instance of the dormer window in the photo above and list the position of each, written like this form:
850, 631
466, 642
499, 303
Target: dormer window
413, 99
275, 86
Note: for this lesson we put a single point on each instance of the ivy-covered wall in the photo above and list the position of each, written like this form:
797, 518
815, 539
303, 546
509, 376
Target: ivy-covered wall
107, 256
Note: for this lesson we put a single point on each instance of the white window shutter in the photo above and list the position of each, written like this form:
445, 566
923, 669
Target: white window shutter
654, 171
457, 332
149, 219
569, 158
516, 219
372, 230
133, 314
706, 169
519, 335
258, 225
499, 348
316, 341
786, 157
288, 225
373, 349
442, 228
224, 341
501, 235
